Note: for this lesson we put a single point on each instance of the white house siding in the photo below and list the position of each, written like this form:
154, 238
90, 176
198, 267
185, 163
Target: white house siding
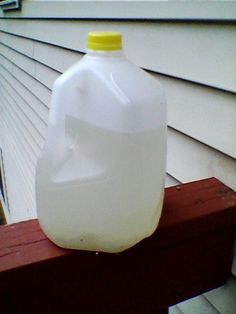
196, 64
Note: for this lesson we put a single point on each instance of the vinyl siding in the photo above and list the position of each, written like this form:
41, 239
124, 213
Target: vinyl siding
126, 9
187, 101
195, 63
157, 44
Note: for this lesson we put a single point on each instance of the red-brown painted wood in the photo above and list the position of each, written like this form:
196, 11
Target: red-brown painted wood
190, 253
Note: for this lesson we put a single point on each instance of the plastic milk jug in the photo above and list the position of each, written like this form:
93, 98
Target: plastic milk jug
100, 177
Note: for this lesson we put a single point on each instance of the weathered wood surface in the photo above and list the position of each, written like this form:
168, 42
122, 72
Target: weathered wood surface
190, 253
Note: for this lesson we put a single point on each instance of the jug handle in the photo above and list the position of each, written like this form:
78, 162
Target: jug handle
61, 94
75, 79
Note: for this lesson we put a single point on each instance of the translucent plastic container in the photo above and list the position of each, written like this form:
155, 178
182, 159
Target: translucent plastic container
100, 178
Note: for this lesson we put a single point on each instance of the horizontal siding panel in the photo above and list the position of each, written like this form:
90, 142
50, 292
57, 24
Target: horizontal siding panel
14, 182
204, 113
40, 72
189, 105
55, 57
21, 144
189, 160
18, 159
40, 92
19, 124
39, 124
46, 75
21, 141
20, 138
183, 50
7, 65
170, 181
197, 305
18, 58
38, 109
21, 70
224, 298
36, 141
125, 9
21, 160
21, 198
24, 45
175, 310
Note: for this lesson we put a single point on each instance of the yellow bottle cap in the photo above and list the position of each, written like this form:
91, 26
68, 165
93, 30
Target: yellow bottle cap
104, 41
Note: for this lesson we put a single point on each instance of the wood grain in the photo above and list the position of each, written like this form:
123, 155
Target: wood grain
190, 253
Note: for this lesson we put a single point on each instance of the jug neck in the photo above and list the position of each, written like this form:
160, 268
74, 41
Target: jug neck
105, 54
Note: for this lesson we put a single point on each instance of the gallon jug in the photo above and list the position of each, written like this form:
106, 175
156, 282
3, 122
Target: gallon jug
100, 178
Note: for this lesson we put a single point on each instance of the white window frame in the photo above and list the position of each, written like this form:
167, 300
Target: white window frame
7, 5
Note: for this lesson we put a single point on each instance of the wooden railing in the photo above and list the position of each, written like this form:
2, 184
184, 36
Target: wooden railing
190, 253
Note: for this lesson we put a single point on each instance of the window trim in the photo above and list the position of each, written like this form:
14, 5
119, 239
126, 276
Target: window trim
7, 5
3, 187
